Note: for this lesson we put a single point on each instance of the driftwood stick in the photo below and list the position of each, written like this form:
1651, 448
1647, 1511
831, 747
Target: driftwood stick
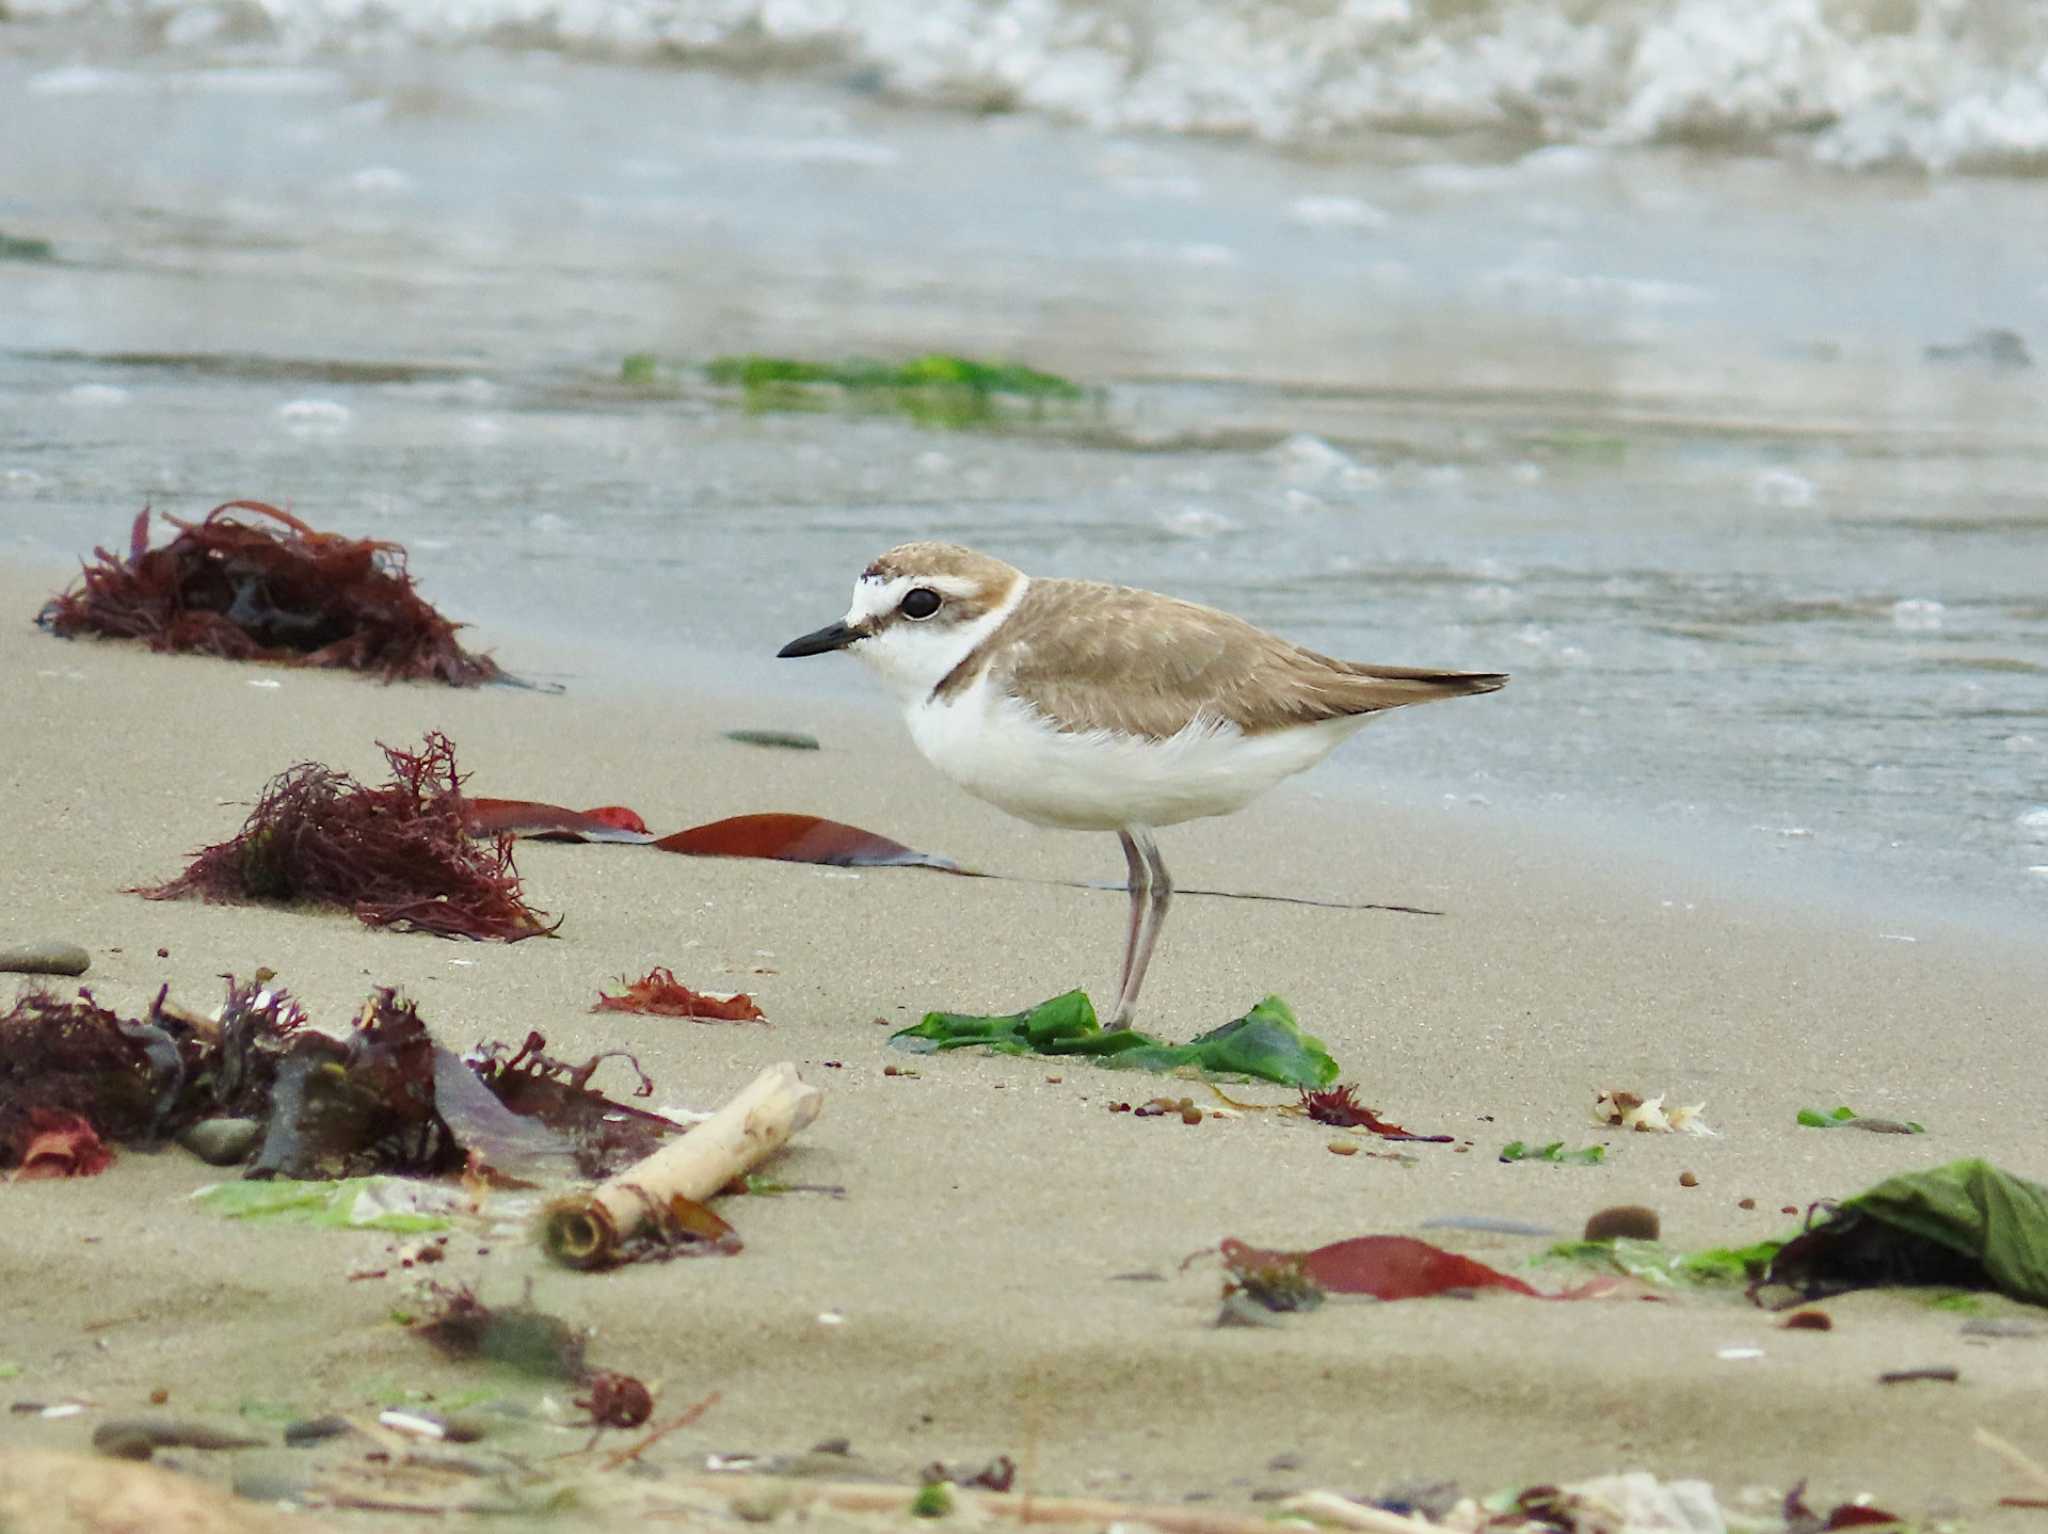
584, 1230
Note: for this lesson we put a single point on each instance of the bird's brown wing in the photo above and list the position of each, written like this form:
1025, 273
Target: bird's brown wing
1097, 657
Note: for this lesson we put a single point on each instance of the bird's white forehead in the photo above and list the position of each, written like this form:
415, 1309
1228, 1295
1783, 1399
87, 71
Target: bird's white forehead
876, 595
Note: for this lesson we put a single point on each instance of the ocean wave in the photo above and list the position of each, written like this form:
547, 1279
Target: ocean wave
1928, 85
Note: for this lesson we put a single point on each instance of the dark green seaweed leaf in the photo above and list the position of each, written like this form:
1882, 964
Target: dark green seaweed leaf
1266, 1042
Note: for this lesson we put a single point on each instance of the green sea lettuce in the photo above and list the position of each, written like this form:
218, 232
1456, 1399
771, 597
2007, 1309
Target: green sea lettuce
1266, 1043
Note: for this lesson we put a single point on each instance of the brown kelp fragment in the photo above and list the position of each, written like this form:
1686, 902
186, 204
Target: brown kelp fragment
124, 1077
551, 822
1385, 1267
462, 1326
398, 856
56, 1143
800, 839
1801, 1519
660, 993
1339, 1105
604, 1135
268, 590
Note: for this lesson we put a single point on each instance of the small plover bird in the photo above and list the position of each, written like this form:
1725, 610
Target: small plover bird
1100, 708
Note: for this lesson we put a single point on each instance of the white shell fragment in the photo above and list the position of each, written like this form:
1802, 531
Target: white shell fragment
1631, 1110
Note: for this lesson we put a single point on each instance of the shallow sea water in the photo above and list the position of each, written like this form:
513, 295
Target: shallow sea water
1711, 451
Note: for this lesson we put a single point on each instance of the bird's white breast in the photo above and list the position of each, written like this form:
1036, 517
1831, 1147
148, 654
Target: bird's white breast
1002, 750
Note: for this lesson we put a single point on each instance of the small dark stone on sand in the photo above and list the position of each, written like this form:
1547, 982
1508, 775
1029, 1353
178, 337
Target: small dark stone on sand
315, 1430
137, 1437
1808, 1321
786, 740
1940, 1374
1284, 1462
45, 959
833, 1446
1636, 1222
222, 1142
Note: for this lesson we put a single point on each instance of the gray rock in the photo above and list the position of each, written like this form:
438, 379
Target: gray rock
45, 959
222, 1142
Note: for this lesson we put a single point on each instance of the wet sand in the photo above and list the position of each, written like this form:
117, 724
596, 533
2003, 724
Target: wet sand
995, 1210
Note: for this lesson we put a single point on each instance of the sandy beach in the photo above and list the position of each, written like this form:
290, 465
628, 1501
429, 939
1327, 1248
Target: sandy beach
981, 1261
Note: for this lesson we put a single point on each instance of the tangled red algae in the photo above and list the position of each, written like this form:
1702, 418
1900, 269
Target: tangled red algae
242, 590
397, 856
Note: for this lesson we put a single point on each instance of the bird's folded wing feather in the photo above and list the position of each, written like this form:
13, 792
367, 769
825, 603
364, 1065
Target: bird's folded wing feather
1098, 657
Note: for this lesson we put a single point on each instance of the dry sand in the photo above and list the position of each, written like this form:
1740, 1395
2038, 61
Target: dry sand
994, 1207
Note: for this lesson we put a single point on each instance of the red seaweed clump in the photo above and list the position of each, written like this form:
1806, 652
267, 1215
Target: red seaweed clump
659, 992
245, 590
397, 856
123, 1077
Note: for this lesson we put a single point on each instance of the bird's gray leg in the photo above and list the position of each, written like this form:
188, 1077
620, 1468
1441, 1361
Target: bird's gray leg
1138, 880
1158, 885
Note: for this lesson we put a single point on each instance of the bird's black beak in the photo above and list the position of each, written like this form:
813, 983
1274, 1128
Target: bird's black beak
833, 636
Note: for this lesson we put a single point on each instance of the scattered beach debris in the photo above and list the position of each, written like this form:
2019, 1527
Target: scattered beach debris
313, 1108
460, 1326
1339, 1105
1650, 1262
402, 1205
615, 1400
552, 822
659, 992
1266, 1042
1967, 1225
1849, 1118
788, 838
1554, 1152
2030, 1469
936, 390
785, 740
398, 856
1631, 1110
654, 1208
1385, 1267
140, 1437
272, 589
1801, 1519
1634, 1222
51, 958
1182, 1108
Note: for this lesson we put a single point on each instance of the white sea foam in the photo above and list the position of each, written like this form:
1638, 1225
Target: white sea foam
1940, 85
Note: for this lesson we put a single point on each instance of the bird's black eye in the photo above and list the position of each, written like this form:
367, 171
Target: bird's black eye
920, 603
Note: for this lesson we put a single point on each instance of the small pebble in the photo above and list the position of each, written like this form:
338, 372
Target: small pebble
1343, 1147
222, 1142
1636, 1222
1745, 1203
1688, 1180
158, 1396
1241, 1309
1808, 1321
45, 959
315, 1430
